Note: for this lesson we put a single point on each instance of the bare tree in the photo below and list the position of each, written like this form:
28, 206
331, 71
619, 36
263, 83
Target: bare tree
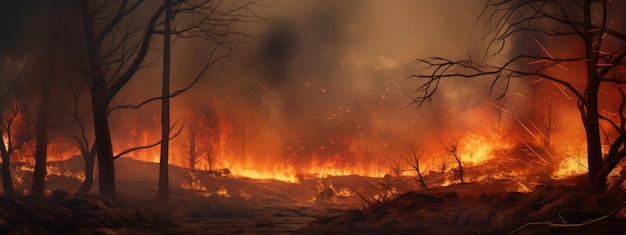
443, 163
164, 187
14, 128
204, 136
193, 157
115, 52
210, 158
416, 166
396, 168
452, 150
591, 24
86, 147
117, 45
41, 129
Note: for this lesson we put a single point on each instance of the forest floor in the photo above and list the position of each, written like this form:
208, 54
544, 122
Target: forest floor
201, 203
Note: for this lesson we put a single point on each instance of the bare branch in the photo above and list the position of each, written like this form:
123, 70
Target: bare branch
555, 225
147, 146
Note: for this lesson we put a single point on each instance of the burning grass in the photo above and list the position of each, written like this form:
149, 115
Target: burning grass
496, 202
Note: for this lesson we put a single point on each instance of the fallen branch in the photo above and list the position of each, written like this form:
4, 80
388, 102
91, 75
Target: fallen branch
554, 225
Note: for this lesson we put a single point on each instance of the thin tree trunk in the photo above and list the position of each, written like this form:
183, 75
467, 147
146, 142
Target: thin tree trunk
106, 166
88, 183
39, 175
192, 146
243, 137
89, 159
460, 168
164, 189
99, 103
590, 117
7, 180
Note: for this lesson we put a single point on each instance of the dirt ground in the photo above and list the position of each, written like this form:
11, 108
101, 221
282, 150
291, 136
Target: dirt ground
205, 204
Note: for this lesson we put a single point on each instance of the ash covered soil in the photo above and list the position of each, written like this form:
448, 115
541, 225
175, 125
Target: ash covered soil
205, 204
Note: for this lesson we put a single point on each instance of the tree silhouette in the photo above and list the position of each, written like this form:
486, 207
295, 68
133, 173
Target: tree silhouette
116, 50
14, 128
416, 166
117, 45
594, 33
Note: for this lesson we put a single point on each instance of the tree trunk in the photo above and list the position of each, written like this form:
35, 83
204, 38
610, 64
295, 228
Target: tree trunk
88, 183
243, 137
192, 146
210, 159
106, 166
39, 175
590, 117
460, 169
7, 180
594, 146
99, 105
164, 189
89, 159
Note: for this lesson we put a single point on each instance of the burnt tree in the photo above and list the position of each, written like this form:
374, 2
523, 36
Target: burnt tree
452, 150
211, 23
204, 136
597, 40
14, 128
41, 128
164, 187
86, 147
115, 52
416, 166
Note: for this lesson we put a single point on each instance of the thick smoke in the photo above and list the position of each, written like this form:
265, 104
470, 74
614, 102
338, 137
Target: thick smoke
319, 83
329, 78
326, 84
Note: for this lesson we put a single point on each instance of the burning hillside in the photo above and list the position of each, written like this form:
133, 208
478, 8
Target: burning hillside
268, 108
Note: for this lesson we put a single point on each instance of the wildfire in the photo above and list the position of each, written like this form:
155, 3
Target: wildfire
571, 166
477, 149
281, 172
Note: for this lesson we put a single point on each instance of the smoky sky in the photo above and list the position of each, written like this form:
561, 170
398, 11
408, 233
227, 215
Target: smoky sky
330, 74
318, 80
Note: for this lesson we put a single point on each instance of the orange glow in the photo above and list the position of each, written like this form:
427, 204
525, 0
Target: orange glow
477, 149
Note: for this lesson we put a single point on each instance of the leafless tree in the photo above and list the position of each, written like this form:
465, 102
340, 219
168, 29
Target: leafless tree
192, 135
210, 158
117, 45
443, 163
110, 65
164, 187
415, 164
452, 151
14, 128
592, 25
396, 168
86, 147
41, 130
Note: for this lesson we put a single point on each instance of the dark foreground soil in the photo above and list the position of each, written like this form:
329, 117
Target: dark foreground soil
204, 204
546, 210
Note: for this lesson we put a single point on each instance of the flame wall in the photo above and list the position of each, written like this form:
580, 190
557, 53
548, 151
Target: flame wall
323, 91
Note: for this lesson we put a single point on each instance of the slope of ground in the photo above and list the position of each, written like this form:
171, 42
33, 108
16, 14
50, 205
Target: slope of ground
202, 203
456, 210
